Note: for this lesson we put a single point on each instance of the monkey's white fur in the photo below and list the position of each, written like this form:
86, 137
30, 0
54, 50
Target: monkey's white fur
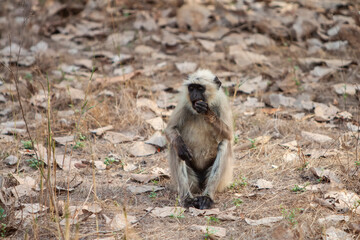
204, 140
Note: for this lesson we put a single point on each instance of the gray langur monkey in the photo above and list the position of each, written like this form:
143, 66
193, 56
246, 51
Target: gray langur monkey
200, 137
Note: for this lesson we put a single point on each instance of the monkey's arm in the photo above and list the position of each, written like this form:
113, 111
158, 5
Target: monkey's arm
218, 125
176, 141
221, 129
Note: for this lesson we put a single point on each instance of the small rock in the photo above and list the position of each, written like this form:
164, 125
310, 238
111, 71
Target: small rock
263, 221
123, 70
39, 47
353, 127
319, 138
344, 88
290, 157
143, 189
144, 50
141, 149
212, 231
157, 123
254, 85
331, 46
120, 39
64, 140
252, 102
157, 139
333, 233
277, 100
11, 160
186, 67
263, 184
325, 113
2, 99
13, 124
333, 219
100, 165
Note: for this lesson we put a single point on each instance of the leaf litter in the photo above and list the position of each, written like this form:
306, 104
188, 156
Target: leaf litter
291, 56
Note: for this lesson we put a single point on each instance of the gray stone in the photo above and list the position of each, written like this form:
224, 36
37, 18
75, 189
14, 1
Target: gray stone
11, 160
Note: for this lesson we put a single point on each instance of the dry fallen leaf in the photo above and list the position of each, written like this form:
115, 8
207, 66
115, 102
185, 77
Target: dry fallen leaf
333, 219
166, 211
345, 88
210, 230
144, 178
101, 131
204, 212
157, 139
325, 174
143, 189
186, 67
119, 222
333, 233
117, 79
118, 137
195, 16
141, 149
263, 221
246, 58
263, 184
157, 123
319, 138
254, 85
325, 113
343, 200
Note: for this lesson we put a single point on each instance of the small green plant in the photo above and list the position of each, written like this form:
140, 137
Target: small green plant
357, 163
78, 145
236, 139
2, 214
303, 166
28, 76
110, 160
209, 231
155, 181
226, 90
345, 95
290, 215
237, 202
153, 194
239, 183
178, 214
27, 144
82, 137
212, 219
3, 230
252, 141
320, 179
34, 163
298, 189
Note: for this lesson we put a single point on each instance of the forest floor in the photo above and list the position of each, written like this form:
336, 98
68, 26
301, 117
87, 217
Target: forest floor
87, 87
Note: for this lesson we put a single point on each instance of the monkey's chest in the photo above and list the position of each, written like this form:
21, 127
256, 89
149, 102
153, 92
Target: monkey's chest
199, 137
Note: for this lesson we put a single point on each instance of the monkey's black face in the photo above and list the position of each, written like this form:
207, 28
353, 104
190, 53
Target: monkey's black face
197, 97
196, 93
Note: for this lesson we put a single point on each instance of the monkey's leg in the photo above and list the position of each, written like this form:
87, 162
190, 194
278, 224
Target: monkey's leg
220, 173
180, 175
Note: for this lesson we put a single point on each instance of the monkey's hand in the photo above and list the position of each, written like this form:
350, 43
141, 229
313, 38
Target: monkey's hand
200, 202
201, 106
182, 150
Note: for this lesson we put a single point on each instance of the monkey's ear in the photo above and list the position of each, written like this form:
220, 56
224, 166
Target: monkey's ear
217, 81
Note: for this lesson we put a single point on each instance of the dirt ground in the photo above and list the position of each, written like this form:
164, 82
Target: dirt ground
87, 87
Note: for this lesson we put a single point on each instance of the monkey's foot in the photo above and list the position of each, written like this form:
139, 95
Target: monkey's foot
200, 202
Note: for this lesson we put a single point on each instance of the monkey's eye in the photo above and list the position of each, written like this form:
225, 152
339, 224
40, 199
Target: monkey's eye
201, 88
191, 87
